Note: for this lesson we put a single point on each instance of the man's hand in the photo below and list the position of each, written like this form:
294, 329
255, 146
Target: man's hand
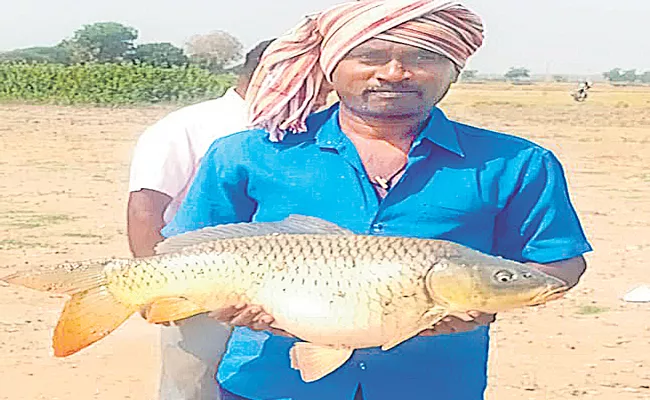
251, 316
453, 324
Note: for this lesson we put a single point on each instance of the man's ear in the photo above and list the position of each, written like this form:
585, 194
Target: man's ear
455, 73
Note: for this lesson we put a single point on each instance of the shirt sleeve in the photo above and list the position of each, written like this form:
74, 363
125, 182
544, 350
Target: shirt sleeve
539, 223
163, 159
218, 194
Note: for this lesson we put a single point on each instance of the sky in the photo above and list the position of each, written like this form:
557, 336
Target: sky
548, 37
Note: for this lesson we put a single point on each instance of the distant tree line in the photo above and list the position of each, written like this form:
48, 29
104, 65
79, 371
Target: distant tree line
112, 42
630, 75
515, 74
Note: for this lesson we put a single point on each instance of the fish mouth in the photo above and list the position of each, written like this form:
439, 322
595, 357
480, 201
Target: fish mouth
552, 292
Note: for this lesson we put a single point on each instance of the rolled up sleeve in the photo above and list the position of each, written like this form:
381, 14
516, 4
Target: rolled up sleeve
539, 222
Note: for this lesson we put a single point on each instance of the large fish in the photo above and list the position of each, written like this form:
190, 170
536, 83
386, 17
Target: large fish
334, 290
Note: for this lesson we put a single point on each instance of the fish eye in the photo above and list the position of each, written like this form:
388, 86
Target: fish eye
504, 276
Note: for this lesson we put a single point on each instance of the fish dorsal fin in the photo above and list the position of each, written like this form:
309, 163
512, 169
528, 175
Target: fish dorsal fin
293, 224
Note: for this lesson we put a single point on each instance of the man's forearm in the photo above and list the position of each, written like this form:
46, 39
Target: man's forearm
145, 221
570, 271
144, 234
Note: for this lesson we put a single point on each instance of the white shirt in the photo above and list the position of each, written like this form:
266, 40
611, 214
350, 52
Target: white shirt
168, 153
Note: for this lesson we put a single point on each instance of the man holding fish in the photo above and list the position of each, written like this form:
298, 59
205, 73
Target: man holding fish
362, 302
385, 161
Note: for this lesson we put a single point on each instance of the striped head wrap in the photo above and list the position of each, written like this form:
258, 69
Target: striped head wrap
284, 86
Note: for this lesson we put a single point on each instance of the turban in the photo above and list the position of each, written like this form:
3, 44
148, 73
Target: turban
285, 84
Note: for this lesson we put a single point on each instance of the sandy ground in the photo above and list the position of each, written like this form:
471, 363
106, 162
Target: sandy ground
63, 183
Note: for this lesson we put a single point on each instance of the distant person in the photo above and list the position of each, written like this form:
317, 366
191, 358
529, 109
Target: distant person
164, 163
581, 93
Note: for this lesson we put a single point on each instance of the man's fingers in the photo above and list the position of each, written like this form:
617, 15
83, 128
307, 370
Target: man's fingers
223, 314
246, 317
454, 325
228, 313
481, 318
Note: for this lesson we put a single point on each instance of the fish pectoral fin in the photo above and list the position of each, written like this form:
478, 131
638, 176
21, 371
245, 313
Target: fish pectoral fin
314, 361
168, 309
427, 321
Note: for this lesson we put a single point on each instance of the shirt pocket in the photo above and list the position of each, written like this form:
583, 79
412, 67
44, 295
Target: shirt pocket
456, 205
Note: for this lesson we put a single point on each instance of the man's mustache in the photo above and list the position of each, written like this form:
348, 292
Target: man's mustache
393, 88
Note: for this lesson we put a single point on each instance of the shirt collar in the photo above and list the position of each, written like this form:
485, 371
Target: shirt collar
439, 131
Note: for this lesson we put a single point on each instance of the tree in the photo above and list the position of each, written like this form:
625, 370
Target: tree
52, 55
613, 75
102, 42
468, 75
618, 75
517, 73
160, 55
645, 77
214, 51
629, 75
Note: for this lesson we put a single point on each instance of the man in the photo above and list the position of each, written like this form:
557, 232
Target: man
164, 163
168, 153
385, 161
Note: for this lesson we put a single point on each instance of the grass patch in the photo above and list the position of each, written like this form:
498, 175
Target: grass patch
9, 244
591, 310
498, 103
30, 219
83, 235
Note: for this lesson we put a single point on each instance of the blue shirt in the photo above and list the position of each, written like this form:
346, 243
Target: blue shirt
493, 192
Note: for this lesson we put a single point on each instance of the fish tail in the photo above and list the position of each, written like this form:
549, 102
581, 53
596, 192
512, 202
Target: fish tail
90, 314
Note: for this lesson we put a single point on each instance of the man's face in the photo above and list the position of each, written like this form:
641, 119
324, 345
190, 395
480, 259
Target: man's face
382, 79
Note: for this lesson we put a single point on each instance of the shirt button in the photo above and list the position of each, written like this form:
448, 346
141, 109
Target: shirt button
362, 366
377, 228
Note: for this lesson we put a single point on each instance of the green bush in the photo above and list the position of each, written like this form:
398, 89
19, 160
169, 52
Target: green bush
109, 84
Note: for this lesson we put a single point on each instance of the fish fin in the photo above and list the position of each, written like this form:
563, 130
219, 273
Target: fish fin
91, 314
427, 321
172, 309
87, 317
66, 278
293, 224
314, 361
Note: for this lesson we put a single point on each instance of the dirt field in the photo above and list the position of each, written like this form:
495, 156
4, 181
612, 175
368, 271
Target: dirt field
63, 183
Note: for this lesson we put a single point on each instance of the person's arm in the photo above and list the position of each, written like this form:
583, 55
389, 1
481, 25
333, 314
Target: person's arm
145, 220
539, 227
570, 271
162, 165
